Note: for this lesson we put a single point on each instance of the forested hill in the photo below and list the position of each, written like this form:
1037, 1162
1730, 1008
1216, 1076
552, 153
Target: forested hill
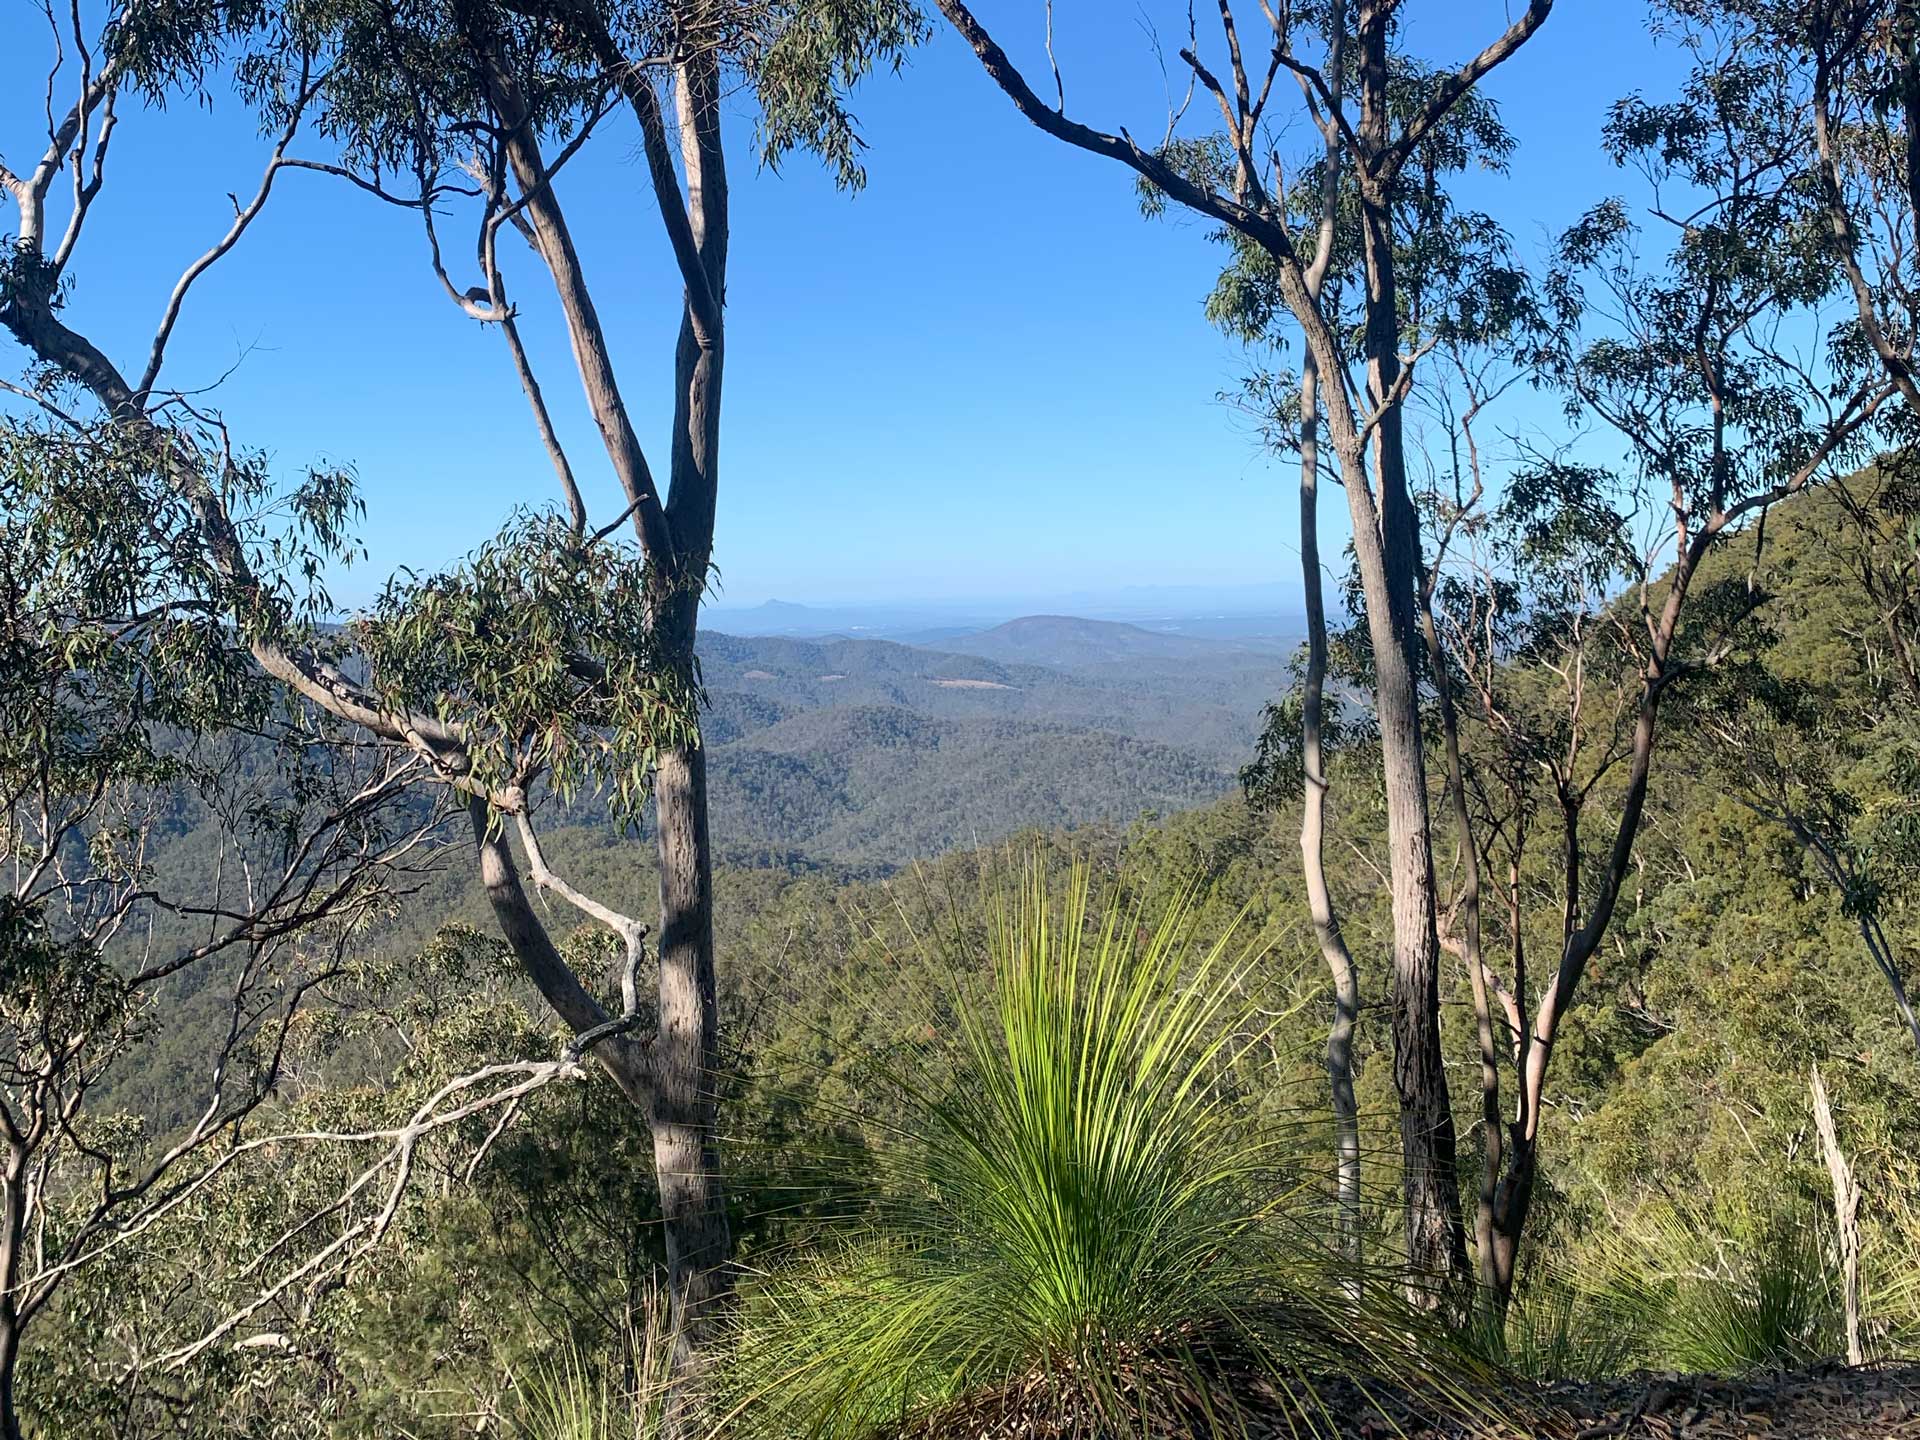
849, 758
1069, 640
872, 753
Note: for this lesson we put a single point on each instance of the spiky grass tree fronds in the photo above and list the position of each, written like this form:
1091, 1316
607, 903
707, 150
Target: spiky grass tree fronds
578, 1394
567, 1398
1080, 1234
1558, 1329
1893, 1263
1670, 1289
1776, 1308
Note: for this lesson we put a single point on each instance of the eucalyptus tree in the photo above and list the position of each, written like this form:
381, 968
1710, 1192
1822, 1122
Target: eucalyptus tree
1582, 604
559, 658
133, 716
1834, 87
1847, 74
1234, 176
1459, 289
496, 99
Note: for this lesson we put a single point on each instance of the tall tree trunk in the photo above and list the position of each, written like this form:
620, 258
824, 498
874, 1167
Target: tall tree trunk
1435, 1232
1326, 924
687, 1051
1313, 813
684, 1058
1436, 1241
685, 1068
9, 1366
1496, 1229
13, 1203
1385, 538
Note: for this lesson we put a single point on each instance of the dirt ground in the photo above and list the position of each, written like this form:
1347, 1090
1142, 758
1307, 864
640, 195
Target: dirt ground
1833, 1403
1876, 1403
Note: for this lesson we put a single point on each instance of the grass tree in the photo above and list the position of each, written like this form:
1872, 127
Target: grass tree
1078, 1227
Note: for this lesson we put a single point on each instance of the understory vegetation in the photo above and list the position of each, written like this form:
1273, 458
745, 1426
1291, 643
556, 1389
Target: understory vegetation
1031, 1145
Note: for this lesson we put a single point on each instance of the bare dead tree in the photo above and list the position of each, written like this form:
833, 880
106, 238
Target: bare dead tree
1846, 1218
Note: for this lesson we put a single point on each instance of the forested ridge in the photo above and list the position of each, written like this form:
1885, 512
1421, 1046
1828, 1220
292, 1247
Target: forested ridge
861, 751
506, 1006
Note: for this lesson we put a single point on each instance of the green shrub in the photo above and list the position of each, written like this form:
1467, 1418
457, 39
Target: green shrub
1670, 1289
1079, 1233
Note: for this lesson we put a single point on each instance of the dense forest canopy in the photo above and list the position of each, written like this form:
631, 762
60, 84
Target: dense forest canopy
486, 1001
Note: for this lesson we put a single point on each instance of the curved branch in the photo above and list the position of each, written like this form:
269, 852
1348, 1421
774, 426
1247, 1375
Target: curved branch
1255, 224
1455, 87
243, 217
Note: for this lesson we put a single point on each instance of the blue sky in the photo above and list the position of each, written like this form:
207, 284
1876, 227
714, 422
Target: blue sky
985, 375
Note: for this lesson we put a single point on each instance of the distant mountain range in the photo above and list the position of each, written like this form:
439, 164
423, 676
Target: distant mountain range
1066, 640
1232, 611
875, 753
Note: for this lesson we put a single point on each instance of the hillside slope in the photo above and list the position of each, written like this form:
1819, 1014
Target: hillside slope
1068, 640
875, 753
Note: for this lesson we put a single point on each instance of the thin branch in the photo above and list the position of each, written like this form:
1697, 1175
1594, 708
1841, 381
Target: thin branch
243, 218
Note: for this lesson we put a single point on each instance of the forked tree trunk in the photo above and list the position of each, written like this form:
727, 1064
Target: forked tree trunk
1500, 1221
682, 1063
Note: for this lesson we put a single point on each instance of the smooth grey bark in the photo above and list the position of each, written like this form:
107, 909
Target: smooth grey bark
687, 1049
1315, 789
1435, 1233
1313, 828
677, 538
